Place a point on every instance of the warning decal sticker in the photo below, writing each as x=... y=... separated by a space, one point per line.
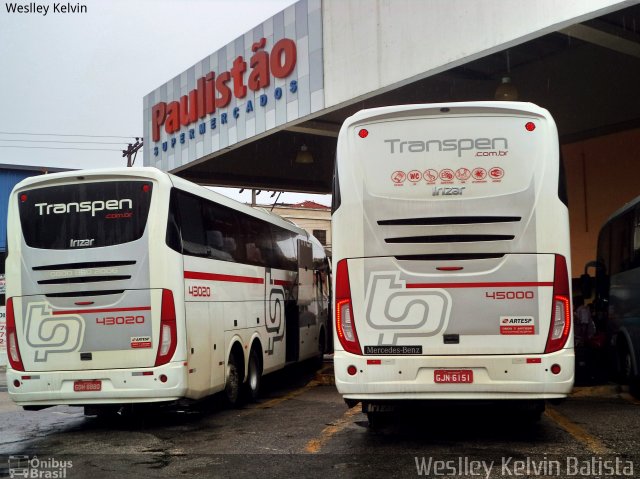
x=138 y=342
x=517 y=325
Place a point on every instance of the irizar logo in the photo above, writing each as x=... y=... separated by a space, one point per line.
x=78 y=243
x=446 y=191
x=83 y=207
x=397 y=145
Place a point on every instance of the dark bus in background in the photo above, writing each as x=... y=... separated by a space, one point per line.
x=617 y=291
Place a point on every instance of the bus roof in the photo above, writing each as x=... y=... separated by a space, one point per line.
x=470 y=107
x=160 y=176
x=623 y=209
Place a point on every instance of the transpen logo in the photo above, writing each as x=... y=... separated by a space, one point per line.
x=397 y=145
x=48 y=333
x=397 y=312
x=83 y=207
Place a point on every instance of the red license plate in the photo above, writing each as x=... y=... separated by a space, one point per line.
x=87 y=386
x=457 y=376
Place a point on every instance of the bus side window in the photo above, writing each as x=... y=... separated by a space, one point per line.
x=221 y=230
x=336 y=198
x=621 y=238
x=635 y=260
x=603 y=264
x=284 y=248
x=191 y=227
x=257 y=240
x=173 y=239
x=562 y=183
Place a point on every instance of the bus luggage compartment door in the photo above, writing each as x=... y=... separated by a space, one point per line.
x=490 y=306
x=118 y=330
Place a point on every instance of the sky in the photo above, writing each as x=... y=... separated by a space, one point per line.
x=71 y=85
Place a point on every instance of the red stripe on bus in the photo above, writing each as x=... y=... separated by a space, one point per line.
x=282 y=282
x=103 y=310
x=478 y=285
x=222 y=277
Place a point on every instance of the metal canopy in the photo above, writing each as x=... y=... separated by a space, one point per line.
x=586 y=75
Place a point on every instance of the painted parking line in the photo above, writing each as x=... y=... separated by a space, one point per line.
x=317 y=381
x=629 y=398
x=279 y=400
x=314 y=445
x=591 y=442
x=604 y=390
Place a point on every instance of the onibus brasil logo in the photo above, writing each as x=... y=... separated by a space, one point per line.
x=34 y=467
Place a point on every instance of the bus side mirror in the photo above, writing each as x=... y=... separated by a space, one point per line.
x=586 y=286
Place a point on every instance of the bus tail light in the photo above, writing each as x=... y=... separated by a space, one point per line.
x=345 y=326
x=561 y=309
x=13 y=350
x=168 y=333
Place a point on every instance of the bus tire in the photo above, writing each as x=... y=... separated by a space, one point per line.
x=378 y=420
x=533 y=411
x=322 y=346
x=232 y=386
x=103 y=412
x=254 y=377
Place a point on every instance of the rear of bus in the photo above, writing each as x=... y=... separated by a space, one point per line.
x=451 y=255
x=91 y=309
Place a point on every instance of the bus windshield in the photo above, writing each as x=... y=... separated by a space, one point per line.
x=85 y=215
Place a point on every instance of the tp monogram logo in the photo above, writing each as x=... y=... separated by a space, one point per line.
x=408 y=313
x=274 y=315
x=49 y=333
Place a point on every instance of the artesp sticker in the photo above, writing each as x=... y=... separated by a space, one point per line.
x=517 y=325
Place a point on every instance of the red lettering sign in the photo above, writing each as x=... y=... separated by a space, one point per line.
x=214 y=90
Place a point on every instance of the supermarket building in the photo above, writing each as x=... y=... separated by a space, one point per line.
x=264 y=111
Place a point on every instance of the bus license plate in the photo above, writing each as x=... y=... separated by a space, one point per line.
x=459 y=376
x=87 y=386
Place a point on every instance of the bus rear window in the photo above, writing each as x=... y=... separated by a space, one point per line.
x=85 y=215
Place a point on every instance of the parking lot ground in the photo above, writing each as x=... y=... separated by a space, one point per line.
x=302 y=428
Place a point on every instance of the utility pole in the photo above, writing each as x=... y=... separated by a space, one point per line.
x=131 y=150
x=254 y=194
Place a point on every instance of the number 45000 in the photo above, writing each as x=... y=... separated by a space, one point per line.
x=509 y=295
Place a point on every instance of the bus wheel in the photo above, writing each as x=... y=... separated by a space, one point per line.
x=532 y=411
x=232 y=388
x=378 y=420
x=254 y=377
x=103 y=412
x=319 y=361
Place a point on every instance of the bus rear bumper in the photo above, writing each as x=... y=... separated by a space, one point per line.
x=512 y=377
x=117 y=386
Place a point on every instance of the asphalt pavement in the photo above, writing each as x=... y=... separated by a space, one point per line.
x=3 y=379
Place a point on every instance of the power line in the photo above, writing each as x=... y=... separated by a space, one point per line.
x=59 y=148
x=64 y=134
x=72 y=142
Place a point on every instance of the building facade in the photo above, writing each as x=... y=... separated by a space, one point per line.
x=242 y=116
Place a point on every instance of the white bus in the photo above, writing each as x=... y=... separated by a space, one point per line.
x=135 y=286
x=451 y=256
